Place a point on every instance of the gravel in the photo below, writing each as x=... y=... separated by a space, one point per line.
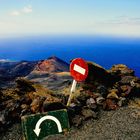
x=13 y=133
x=121 y=124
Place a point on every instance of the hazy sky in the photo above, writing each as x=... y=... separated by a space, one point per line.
x=117 y=17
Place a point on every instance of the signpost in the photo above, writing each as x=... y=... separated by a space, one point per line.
x=79 y=71
x=39 y=126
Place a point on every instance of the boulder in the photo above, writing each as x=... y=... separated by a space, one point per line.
x=122 y=101
x=99 y=75
x=102 y=90
x=113 y=94
x=36 y=105
x=24 y=85
x=82 y=98
x=91 y=104
x=110 y=104
x=100 y=100
x=93 y=95
x=77 y=120
x=53 y=106
x=52 y=103
x=129 y=80
x=3 y=120
x=125 y=90
x=88 y=113
x=121 y=70
x=55 y=137
x=135 y=91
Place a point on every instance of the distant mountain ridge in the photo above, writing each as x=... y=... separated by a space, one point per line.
x=52 y=64
x=10 y=70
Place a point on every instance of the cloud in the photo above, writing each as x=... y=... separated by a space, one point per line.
x=125 y=20
x=121 y=25
x=26 y=10
x=15 y=13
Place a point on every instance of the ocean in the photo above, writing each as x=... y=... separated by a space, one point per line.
x=104 y=50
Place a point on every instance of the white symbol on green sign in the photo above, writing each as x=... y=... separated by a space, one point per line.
x=37 y=127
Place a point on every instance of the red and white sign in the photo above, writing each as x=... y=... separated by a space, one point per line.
x=79 y=69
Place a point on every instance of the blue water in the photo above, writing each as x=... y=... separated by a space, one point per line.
x=105 y=51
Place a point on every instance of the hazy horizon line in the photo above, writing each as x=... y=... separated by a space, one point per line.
x=11 y=36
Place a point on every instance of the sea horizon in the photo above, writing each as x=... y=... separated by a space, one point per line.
x=104 y=50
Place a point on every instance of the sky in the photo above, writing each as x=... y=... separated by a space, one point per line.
x=102 y=17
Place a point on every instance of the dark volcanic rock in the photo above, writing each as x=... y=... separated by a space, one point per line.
x=82 y=98
x=36 y=104
x=125 y=90
x=77 y=120
x=110 y=104
x=91 y=103
x=100 y=100
x=88 y=113
x=122 y=101
x=98 y=74
x=9 y=115
x=53 y=106
x=121 y=70
x=25 y=85
x=135 y=92
x=113 y=94
x=102 y=90
x=129 y=80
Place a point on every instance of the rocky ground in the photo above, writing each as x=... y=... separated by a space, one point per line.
x=121 y=124
x=105 y=106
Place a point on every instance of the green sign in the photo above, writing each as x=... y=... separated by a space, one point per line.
x=38 y=126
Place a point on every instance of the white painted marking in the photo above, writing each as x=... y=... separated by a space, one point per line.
x=79 y=69
x=37 y=127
